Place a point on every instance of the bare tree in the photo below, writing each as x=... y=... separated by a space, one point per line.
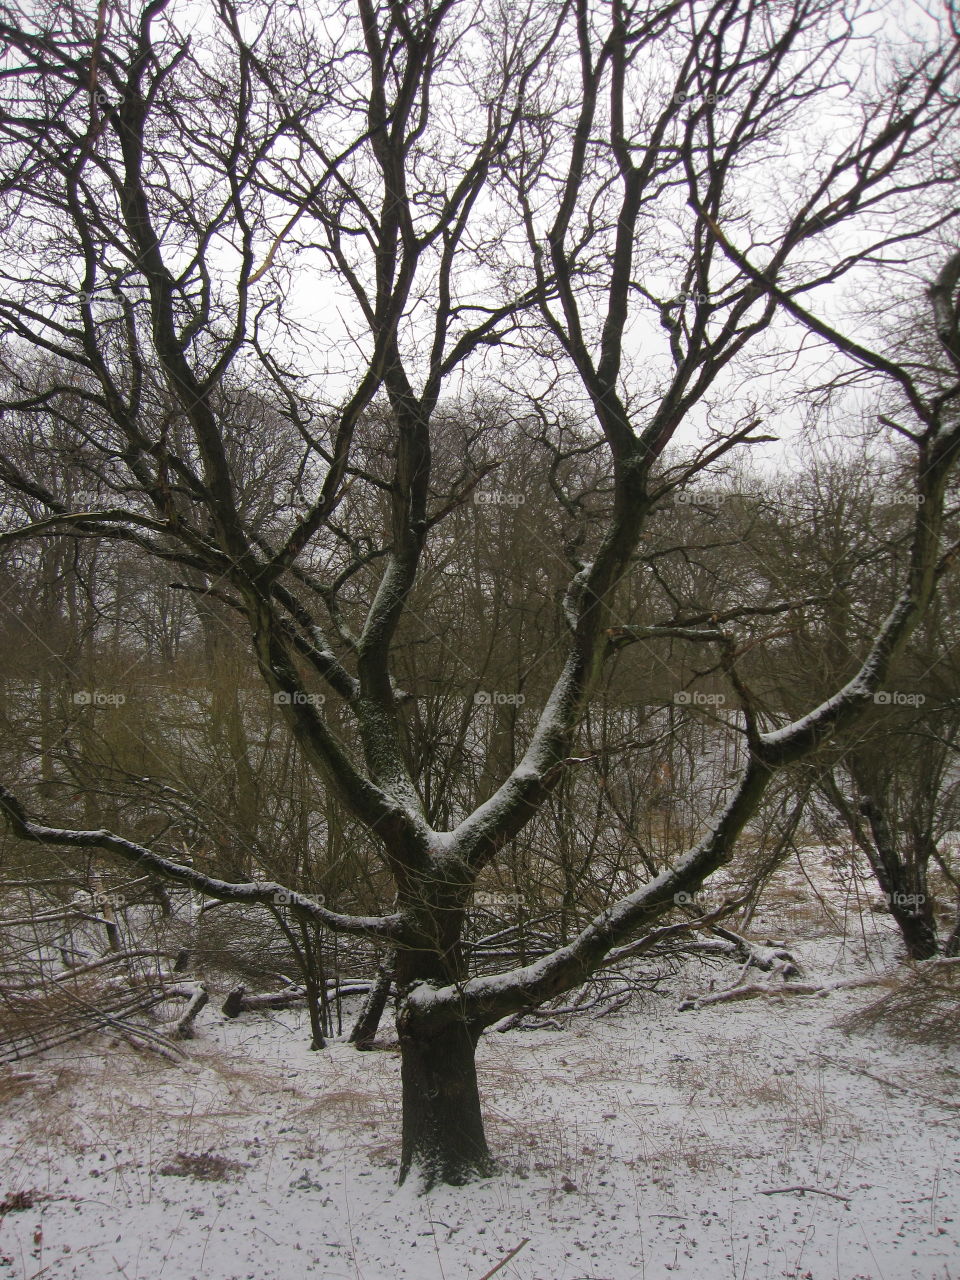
x=835 y=530
x=892 y=781
x=348 y=215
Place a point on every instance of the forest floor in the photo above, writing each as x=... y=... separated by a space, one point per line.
x=647 y=1144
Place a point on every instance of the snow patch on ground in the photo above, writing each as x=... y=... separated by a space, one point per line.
x=634 y=1147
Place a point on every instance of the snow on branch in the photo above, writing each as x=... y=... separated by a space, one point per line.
x=483 y=1000
x=254 y=892
x=779 y=746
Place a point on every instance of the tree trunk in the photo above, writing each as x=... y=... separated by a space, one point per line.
x=952 y=947
x=918 y=930
x=365 y=1028
x=905 y=884
x=443 y=1137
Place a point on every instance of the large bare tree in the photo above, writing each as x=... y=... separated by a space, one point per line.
x=628 y=211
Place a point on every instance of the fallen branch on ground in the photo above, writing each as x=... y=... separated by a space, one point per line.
x=238 y=1001
x=767 y=956
x=182 y=1028
x=749 y=991
x=503 y=1261
x=818 y=1191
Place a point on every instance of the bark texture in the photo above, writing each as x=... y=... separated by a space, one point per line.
x=443 y=1140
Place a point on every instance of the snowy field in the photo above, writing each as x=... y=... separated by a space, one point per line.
x=646 y=1144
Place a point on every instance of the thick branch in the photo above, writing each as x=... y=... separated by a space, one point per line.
x=255 y=892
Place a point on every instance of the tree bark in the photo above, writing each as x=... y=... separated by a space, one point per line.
x=918 y=930
x=443 y=1140
x=905 y=885
x=365 y=1028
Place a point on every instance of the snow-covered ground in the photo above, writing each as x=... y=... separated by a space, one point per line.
x=647 y=1144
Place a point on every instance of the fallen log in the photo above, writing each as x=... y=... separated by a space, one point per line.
x=182 y=1028
x=239 y=1001
x=756 y=955
x=751 y=990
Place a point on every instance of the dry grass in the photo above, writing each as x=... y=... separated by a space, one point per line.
x=244 y=1082
x=921 y=1004
x=731 y=1086
x=347 y=1104
x=19 y=1201
x=34 y=1015
x=52 y=1014
x=13 y=1084
x=204 y=1167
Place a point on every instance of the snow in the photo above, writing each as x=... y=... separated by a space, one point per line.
x=861 y=686
x=529 y=770
x=634 y=1147
x=855 y=689
x=251 y=891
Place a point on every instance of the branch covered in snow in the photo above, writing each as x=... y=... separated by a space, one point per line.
x=254 y=892
x=486 y=999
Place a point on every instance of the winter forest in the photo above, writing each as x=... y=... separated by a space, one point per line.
x=480 y=621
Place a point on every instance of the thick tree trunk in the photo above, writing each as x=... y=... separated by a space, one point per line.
x=918 y=930
x=443 y=1137
x=905 y=884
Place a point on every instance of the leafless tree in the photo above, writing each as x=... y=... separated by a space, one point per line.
x=354 y=214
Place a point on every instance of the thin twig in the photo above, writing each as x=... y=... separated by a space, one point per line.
x=503 y=1262
x=819 y=1191
x=890 y=1084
